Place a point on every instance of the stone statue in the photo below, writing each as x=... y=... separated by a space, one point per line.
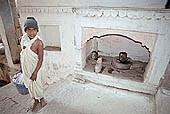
x=98 y=66
x=122 y=61
x=94 y=55
x=123 y=57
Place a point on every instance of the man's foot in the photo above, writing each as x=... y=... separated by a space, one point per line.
x=42 y=102
x=33 y=106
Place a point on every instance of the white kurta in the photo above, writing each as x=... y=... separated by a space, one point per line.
x=29 y=60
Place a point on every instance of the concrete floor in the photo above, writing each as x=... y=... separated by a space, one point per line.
x=72 y=96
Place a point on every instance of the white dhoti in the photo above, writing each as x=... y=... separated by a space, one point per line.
x=29 y=60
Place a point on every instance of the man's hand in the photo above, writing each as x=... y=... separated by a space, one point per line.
x=34 y=76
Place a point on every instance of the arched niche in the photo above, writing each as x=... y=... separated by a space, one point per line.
x=109 y=46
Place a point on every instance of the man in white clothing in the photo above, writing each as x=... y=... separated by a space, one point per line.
x=31 y=61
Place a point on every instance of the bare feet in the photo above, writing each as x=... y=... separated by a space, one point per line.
x=42 y=102
x=34 y=105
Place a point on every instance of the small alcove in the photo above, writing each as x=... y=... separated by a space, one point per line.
x=50 y=35
x=108 y=48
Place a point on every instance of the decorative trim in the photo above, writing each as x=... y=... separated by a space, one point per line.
x=135 y=14
x=45 y=10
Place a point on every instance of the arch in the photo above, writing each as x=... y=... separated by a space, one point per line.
x=144 y=49
x=123 y=36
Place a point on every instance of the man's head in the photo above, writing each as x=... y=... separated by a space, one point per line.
x=31 y=27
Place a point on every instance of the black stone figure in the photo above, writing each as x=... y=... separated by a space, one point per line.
x=167 y=6
x=123 y=57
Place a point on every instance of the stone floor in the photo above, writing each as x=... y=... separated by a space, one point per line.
x=135 y=74
x=75 y=96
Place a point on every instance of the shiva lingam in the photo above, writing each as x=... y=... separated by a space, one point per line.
x=122 y=61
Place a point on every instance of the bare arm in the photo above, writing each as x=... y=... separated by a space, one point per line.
x=40 y=59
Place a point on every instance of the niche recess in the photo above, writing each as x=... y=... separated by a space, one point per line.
x=108 y=47
x=51 y=37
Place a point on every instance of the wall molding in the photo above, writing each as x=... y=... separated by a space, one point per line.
x=45 y=9
x=134 y=14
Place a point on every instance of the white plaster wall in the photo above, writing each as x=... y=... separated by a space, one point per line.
x=88 y=48
x=162 y=101
x=112 y=45
x=57 y=64
x=96 y=3
x=72 y=23
x=98 y=22
x=50 y=34
x=163 y=94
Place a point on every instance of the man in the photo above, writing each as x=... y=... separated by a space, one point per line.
x=31 y=61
